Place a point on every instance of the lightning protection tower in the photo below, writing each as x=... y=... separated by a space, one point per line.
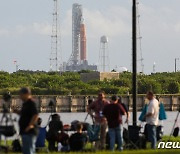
x=139 y=40
x=104 y=55
x=55 y=39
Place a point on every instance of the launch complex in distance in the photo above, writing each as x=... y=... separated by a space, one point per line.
x=78 y=59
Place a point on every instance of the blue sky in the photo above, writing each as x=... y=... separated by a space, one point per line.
x=25 y=30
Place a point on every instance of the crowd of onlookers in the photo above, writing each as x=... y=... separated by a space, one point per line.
x=106 y=114
x=58 y=139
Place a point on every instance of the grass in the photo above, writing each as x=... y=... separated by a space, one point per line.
x=147 y=151
x=177 y=151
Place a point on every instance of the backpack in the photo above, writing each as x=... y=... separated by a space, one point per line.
x=176 y=132
x=16 y=146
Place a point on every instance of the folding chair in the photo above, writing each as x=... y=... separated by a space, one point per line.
x=41 y=139
x=93 y=133
x=132 y=137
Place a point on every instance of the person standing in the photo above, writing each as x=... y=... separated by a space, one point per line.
x=98 y=107
x=125 y=108
x=28 y=122
x=55 y=126
x=152 y=119
x=113 y=112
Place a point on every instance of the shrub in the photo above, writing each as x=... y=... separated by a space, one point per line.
x=173 y=87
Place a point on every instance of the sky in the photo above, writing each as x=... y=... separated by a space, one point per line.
x=25 y=30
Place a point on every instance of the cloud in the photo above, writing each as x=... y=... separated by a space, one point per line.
x=42 y=28
x=161 y=20
x=177 y=27
x=110 y=23
x=66 y=24
x=21 y=30
x=3 y=32
x=113 y=22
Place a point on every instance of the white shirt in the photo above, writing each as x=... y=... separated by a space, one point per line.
x=153 y=108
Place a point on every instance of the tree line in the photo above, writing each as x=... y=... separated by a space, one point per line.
x=53 y=83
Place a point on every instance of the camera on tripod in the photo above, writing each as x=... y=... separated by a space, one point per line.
x=6 y=124
x=7 y=100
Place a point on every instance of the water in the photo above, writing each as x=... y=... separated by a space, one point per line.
x=67 y=118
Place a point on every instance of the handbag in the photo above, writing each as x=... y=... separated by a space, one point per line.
x=143 y=113
x=16 y=146
x=176 y=132
x=162 y=112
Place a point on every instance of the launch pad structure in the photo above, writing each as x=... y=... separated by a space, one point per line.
x=78 y=59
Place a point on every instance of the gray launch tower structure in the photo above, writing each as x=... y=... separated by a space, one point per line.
x=78 y=60
x=76 y=24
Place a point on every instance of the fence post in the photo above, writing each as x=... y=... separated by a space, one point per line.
x=70 y=103
x=85 y=103
x=171 y=103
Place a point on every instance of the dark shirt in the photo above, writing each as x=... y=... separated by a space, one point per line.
x=77 y=141
x=113 y=113
x=63 y=138
x=125 y=107
x=98 y=107
x=54 y=127
x=28 y=110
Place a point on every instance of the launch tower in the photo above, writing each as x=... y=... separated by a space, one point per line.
x=78 y=59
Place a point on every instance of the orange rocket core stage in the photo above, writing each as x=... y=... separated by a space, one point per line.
x=83 y=43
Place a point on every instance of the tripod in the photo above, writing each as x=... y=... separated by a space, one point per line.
x=51 y=106
x=174 y=124
x=90 y=101
x=5 y=119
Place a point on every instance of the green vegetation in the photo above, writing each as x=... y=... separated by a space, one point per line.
x=52 y=83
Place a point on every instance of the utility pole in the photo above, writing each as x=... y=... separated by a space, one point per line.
x=134 y=58
x=176 y=64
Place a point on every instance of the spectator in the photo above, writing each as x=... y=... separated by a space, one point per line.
x=113 y=112
x=125 y=108
x=63 y=142
x=28 y=122
x=40 y=142
x=78 y=140
x=55 y=126
x=98 y=107
x=152 y=119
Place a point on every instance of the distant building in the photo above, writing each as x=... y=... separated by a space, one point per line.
x=85 y=77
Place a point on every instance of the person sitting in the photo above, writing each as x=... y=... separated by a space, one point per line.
x=55 y=126
x=40 y=142
x=63 y=142
x=78 y=140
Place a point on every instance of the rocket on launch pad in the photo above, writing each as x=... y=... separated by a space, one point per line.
x=83 y=54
